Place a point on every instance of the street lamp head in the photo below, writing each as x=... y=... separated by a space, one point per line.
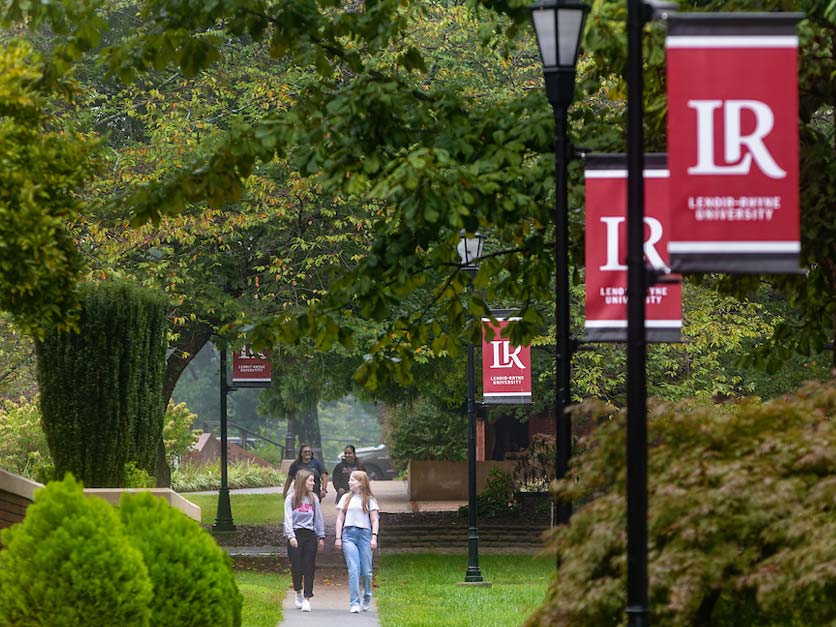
x=658 y=9
x=558 y=25
x=470 y=249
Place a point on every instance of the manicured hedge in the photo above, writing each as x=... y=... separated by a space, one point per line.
x=70 y=564
x=192 y=576
x=75 y=561
x=101 y=387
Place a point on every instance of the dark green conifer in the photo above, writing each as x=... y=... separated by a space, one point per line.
x=101 y=387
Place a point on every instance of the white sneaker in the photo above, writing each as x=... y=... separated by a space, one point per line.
x=299 y=600
x=306 y=606
x=355 y=609
x=366 y=604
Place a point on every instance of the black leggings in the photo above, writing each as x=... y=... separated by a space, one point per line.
x=303 y=560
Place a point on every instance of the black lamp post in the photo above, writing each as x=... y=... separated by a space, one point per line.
x=639 y=12
x=559 y=26
x=637 y=593
x=223 y=520
x=470 y=250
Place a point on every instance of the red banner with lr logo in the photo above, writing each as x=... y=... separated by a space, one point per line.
x=606 y=251
x=251 y=369
x=733 y=142
x=506 y=369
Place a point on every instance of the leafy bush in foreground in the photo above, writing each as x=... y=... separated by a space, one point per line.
x=69 y=564
x=192 y=576
x=742 y=517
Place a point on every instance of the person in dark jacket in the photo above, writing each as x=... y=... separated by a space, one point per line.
x=306 y=461
x=343 y=470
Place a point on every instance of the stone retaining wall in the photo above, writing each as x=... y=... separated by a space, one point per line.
x=112 y=496
x=16 y=493
x=447 y=481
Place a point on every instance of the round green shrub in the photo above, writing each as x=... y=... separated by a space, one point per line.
x=192 y=577
x=69 y=564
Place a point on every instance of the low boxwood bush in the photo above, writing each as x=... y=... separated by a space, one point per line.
x=192 y=576
x=69 y=564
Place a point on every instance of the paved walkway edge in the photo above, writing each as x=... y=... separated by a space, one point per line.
x=329 y=606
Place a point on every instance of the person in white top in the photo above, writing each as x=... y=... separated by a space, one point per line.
x=358 y=523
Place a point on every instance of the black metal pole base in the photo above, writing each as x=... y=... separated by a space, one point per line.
x=223 y=519
x=475 y=584
x=474 y=574
x=473 y=577
x=637 y=616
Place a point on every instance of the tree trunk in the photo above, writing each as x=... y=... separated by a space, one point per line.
x=290 y=439
x=307 y=425
x=833 y=337
x=830 y=262
x=192 y=339
x=703 y=616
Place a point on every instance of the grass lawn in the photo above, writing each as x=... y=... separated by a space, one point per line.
x=420 y=590
x=247 y=509
x=263 y=595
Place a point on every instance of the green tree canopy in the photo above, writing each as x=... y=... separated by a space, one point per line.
x=44 y=167
x=387 y=121
x=430 y=117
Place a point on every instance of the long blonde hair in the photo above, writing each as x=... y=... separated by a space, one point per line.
x=365 y=490
x=299 y=489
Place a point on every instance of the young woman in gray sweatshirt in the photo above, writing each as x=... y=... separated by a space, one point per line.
x=305 y=533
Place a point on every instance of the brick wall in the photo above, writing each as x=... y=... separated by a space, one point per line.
x=12 y=508
x=447 y=481
x=16 y=494
x=541 y=424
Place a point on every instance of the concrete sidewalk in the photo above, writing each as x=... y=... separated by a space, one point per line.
x=329 y=606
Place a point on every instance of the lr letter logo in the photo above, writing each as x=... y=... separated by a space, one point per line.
x=613 y=264
x=735 y=141
x=246 y=353
x=504 y=357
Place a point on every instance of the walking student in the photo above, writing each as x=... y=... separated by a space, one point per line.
x=305 y=533
x=358 y=523
x=343 y=470
x=306 y=461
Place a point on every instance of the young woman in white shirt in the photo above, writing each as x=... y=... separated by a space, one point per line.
x=358 y=523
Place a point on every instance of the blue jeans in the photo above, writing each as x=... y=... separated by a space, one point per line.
x=358 y=558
